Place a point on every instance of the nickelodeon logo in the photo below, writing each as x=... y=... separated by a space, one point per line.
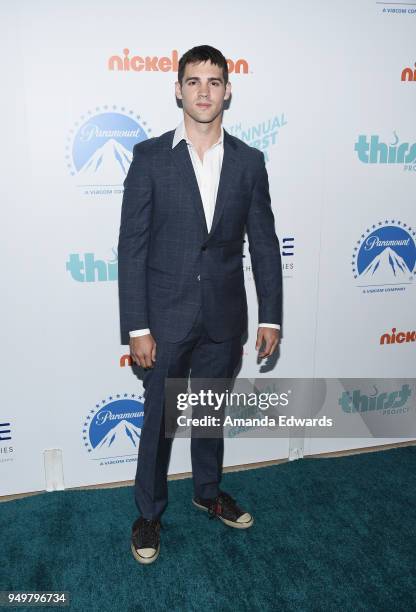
x=408 y=74
x=398 y=337
x=126 y=360
x=137 y=63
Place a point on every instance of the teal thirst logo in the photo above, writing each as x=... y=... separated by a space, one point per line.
x=86 y=268
x=371 y=150
x=389 y=403
x=99 y=148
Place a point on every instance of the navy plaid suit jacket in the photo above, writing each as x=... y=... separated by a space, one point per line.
x=170 y=266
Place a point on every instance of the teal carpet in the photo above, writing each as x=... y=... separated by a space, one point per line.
x=329 y=535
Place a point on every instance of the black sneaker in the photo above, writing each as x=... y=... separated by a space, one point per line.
x=145 y=540
x=225 y=508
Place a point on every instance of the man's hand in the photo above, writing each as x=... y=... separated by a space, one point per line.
x=270 y=337
x=143 y=350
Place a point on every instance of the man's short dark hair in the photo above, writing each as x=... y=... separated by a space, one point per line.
x=203 y=53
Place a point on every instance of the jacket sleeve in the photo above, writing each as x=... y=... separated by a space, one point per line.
x=133 y=244
x=264 y=248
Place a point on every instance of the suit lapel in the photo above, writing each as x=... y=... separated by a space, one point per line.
x=227 y=178
x=183 y=162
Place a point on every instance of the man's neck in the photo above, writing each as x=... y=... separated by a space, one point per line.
x=203 y=135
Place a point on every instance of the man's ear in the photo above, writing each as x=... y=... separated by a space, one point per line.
x=227 y=91
x=178 y=90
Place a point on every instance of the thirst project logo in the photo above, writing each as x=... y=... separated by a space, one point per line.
x=372 y=150
x=99 y=149
x=111 y=430
x=86 y=268
x=384 y=257
x=392 y=402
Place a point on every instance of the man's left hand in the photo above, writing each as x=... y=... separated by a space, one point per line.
x=270 y=337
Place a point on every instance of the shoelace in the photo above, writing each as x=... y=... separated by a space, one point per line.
x=217 y=505
x=149 y=529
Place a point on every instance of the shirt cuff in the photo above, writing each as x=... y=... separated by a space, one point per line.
x=139 y=332
x=143 y=332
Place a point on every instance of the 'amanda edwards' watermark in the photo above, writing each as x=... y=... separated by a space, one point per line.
x=272 y=407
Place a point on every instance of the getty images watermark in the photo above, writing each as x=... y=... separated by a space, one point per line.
x=271 y=407
x=220 y=402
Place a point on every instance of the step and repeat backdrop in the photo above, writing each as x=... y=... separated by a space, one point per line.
x=325 y=89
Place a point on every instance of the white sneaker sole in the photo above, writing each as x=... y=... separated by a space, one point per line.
x=226 y=521
x=145 y=560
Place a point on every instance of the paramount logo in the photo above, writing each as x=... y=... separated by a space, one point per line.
x=387 y=266
x=108 y=163
x=90 y=130
x=374 y=241
x=122 y=437
x=108 y=415
x=385 y=256
x=112 y=430
x=99 y=149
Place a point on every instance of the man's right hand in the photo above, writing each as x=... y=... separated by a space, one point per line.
x=143 y=350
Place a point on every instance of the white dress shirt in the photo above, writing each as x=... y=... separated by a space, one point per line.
x=207 y=174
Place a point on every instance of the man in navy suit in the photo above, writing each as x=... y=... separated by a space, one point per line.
x=189 y=196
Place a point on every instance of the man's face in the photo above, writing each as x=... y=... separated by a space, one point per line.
x=202 y=91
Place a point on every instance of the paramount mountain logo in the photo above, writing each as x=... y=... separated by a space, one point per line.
x=111 y=431
x=115 y=440
x=99 y=149
x=384 y=257
x=370 y=150
x=387 y=264
x=108 y=163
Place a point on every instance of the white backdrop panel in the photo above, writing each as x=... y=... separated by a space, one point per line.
x=318 y=76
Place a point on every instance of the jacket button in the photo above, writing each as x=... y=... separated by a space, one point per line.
x=203 y=248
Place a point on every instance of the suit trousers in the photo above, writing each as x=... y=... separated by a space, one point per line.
x=200 y=357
